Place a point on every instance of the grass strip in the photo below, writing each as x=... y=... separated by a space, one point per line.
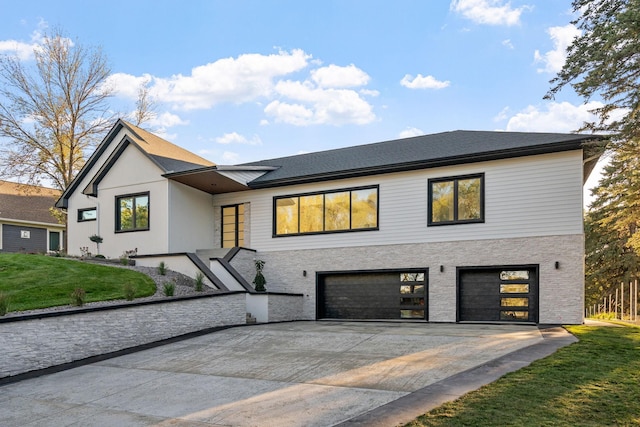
x=594 y=382
x=36 y=281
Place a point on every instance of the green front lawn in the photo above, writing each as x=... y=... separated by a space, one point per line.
x=594 y=382
x=37 y=281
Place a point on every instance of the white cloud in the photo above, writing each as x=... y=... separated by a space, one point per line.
x=323 y=98
x=422 y=82
x=560 y=117
x=409 y=132
x=311 y=105
x=236 y=138
x=241 y=79
x=126 y=85
x=230 y=157
x=502 y=115
x=554 y=60
x=335 y=76
x=25 y=51
x=490 y=12
x=507 y=43
x=368 y=92
x=21 y=50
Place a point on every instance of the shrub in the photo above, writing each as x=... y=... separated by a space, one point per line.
x=129 y=291
x=169 y=289
x=4 y=304
x=77 y=297
x=259 y=281
x=199 y=283
x=162 y=268
x=124 y=260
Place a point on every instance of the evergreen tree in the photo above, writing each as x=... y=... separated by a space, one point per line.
x=605 y=61
x=611 y=226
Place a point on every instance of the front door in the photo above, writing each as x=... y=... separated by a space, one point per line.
x=232 y=226
x=54 y=241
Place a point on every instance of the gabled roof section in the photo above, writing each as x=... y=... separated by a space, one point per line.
x=426 y=151
x=166 y=155
x=27 y=203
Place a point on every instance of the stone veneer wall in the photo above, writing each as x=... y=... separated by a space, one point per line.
x=561 y=291
x=35 y=342
x=243 y=263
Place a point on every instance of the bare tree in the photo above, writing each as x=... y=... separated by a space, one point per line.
x=145 y=105
x=52 y=112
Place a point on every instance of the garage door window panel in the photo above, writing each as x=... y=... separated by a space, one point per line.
x=514 y=315
x=514 y=288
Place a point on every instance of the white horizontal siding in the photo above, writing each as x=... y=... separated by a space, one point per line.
x=528 y=196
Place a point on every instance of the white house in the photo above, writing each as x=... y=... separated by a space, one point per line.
x=456 y=226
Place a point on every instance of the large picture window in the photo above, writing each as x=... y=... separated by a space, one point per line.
x=456 y=200
x=132 y=212
x=354 y=209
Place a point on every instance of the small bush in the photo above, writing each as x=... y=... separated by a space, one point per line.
x=259 y=281
x=199 y=283
x=77 y=297
x=162 y=268
x=124 y=260
x=129 y=291
x=99 y=256
x=4 y=304
x=169 y=289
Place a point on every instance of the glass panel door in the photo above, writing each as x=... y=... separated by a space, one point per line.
x=232 y=226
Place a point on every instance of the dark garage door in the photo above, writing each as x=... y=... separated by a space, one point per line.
x=498 y=294
x=373 y=295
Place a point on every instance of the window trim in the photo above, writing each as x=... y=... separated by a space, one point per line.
x=315 y=193
x=117 y=215
x=455 y=180
x=81 y=211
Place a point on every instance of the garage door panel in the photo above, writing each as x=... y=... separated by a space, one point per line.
x=370 y=296
x=492 y=295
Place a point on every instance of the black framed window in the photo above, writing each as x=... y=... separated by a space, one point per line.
x=352 y=209
x=456 y=200
x=132 y=212
x=88 y=214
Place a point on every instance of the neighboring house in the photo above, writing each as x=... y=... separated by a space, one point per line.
x=26 y=222
x=455 y=226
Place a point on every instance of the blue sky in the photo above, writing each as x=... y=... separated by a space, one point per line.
x=237 y=81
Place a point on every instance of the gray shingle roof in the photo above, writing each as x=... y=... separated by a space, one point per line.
x=414 y=153
x=23 y=202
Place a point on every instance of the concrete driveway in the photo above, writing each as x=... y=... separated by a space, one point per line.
x=284 y=374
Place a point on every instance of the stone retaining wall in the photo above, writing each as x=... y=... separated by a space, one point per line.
x=33 y=342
